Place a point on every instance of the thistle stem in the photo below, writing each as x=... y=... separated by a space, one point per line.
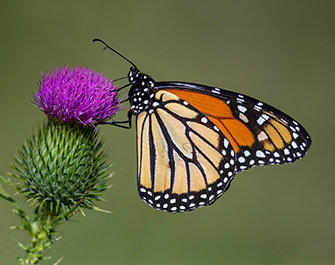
x=42 y=233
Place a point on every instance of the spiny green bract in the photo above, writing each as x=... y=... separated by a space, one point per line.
x=62 y=167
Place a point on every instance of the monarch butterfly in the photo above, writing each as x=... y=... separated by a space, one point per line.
x=192 y=139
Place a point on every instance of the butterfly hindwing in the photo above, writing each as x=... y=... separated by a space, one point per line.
x=259 y=133
x=184 y=161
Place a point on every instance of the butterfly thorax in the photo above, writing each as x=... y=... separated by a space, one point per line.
x=141 y=92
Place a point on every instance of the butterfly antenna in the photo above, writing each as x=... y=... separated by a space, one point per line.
x=119 y=89
x=121 y=78
x=109 y=47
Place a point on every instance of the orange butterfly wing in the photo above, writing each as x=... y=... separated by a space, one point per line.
x=259 y=133
x=194 y=138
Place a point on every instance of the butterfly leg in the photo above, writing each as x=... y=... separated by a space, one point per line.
x=119 y=89
x=120 y=123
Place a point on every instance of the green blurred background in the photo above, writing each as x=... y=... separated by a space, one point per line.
x=281 y=52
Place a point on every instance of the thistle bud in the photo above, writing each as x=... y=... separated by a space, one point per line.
x=60 y=167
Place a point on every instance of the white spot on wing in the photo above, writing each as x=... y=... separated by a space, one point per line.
x=257 y=108
x=247 y=153
x=265 y=117
x=204 y=120
x=243 y=118
x=241 y=159
x=242 y=108
x=262 y=136
x=294 y=145
x=260 y=120
x=225 y=143
x=260 y=154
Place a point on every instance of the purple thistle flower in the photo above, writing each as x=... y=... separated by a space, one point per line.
x=78 y=95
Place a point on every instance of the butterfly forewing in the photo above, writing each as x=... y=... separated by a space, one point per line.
x=184 y=160
x=259 y=134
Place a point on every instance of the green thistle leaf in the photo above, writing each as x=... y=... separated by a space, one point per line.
x=3 y=193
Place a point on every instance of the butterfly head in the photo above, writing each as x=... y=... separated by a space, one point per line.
x=141 y=92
